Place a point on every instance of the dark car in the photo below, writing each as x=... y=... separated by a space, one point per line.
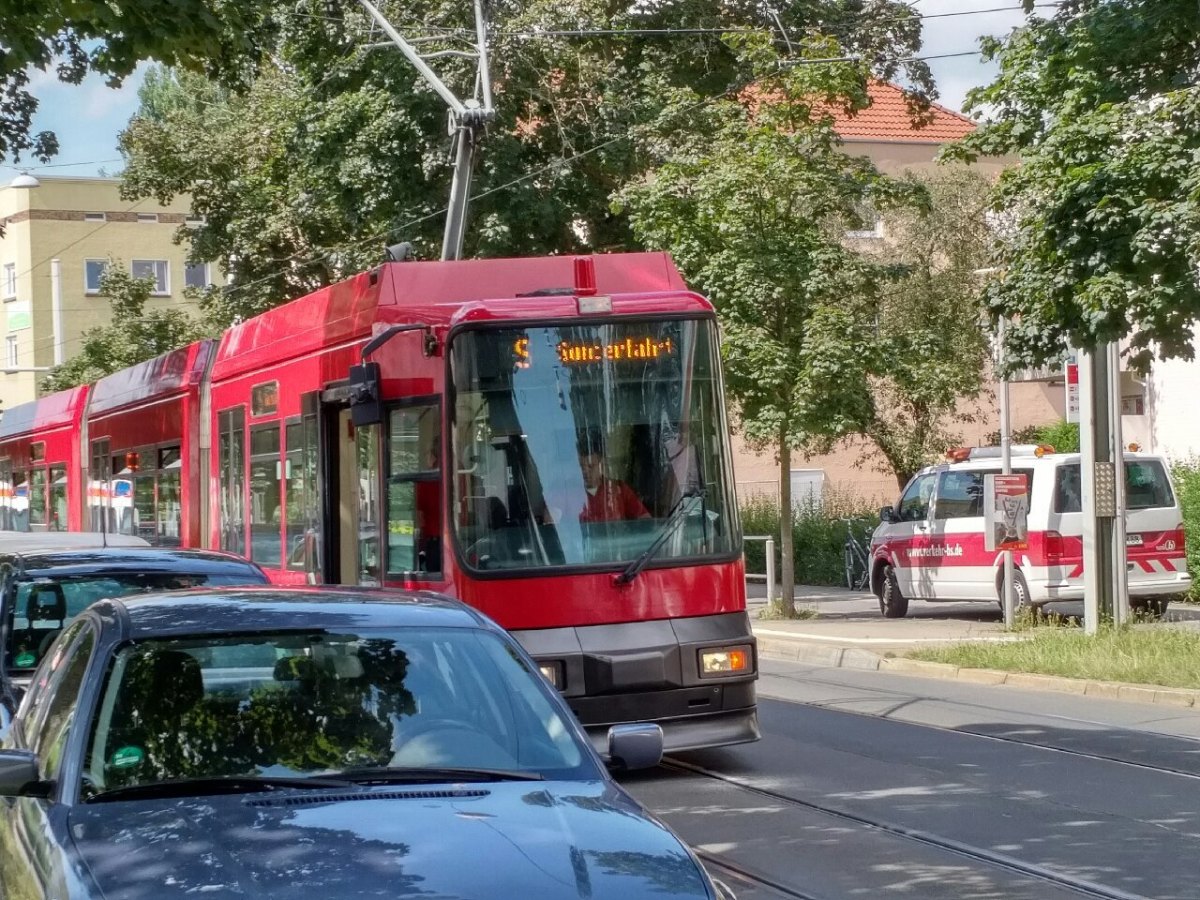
x=314 y=743
x=46 y=580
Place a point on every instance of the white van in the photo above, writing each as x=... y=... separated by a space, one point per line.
x=930 y=545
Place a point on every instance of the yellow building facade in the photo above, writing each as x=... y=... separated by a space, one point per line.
x=58 y=238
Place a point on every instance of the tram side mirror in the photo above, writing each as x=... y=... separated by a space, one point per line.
x=887 y=514
x=366 y=408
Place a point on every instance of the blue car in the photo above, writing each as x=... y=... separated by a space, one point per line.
x=316 y=743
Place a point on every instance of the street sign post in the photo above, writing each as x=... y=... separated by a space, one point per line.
x=1072 y=380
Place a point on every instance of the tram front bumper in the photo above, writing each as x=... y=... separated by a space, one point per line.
x=651 y=672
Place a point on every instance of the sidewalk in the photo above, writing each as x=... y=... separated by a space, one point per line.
x=849 y=632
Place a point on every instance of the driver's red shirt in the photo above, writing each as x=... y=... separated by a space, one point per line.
x=612 y=502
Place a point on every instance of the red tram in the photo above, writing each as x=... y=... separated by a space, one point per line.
x=543 y=438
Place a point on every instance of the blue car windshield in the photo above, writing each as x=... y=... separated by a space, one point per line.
x=307 y=704
x=39 y=609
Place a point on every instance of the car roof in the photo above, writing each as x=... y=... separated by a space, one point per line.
x=1029 y=461
x=20 y=541
x=156 y=560
x=206 y=611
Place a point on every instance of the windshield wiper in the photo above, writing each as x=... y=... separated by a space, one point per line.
x=401 y=774
x=228 y=784
x=674 y=517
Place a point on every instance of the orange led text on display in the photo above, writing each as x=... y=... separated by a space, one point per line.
x=575 y=353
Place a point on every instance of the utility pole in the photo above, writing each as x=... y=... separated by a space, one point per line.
x=1105 y=586
x=468 y=119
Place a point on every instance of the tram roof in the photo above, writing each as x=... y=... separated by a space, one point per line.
x=52 y=411
x=445 y=293
x=166 y=374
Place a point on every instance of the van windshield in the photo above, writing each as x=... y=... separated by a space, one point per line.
x=39 y=609
x=1147 y=486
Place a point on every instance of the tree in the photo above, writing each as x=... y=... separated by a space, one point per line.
x=221 y=37
x=1100 y=103
x=135 y=334
x=932 y=344
x=337 y=150
x=753 y=204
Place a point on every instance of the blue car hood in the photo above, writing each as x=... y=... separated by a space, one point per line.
x=509 y=839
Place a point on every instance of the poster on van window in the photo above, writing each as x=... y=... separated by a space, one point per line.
x=1006 y=512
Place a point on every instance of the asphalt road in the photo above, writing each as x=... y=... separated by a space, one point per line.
x=872 y=785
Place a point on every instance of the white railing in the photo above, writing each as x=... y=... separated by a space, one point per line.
x=770 y=559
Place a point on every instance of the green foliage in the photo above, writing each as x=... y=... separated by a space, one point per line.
x=135 y=334
x=337 y=150
x=1161 y=656
x=819 y=534
x=1062 y=435
x=1103 y=213
x=932 y=348
x=223 y=38
x=1186 y=476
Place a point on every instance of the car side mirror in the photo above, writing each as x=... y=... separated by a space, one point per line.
x=18 y=771
x=887 y=514
x=636 y=746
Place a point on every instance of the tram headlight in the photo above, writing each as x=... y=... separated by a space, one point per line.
x=553 y=672
x=726 y=661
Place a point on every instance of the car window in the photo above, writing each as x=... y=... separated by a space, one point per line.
x=42 y=607
x=32 y=705
x=322 y=702
x=1147 y=486
x=914 y=505
x=50 y=737
x=960 y=493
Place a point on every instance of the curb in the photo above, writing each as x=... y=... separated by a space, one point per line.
x=854 y=658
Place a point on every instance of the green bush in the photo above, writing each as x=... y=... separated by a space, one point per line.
x=1186 y=476
x=819 y=533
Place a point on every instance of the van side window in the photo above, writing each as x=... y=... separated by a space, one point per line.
x=960 y=494
x=914 y=505
x=1146 y=487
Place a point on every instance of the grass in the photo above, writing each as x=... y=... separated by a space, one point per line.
x=772 y=612
x=1160 y=656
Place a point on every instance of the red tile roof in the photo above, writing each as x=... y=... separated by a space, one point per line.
x=889 y=119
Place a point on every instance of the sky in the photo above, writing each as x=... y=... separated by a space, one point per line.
x=88 y=117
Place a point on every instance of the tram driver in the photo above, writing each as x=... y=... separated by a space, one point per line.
x=607 y=499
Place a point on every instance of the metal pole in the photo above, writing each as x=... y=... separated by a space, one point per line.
x=415 y=58
x=1098 y=481
x=770 y=570
x=56 y=309
x=460 y=192
x=1120 y=576
x=1006 y=468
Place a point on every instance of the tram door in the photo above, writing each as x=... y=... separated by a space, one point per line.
x=351 y=501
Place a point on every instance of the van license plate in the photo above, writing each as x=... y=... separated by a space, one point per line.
x=1133 y=540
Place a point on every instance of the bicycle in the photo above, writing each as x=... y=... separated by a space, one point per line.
x=856 y=558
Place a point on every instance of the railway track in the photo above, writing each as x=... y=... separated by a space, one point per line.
x=734 y=872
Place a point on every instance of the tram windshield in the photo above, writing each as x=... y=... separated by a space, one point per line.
x=590 y=444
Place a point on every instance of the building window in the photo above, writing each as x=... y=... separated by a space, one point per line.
x=193 y=219
x=195 y=275
x=866 y=223
x=95 y=217
x=10 y=350
x=147 y=217
x=10 y=279
x=93 y=273
x=157 y=269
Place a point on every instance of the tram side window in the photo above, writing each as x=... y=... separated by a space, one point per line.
x=38 y=518
x=265 y=508
x=6 y=495
x=19 y=516
x=169 y=510
x=98 y=487
x=231 y=456
x=414 y=492
x=58 y=499
x=301 y=505
x=124 y=499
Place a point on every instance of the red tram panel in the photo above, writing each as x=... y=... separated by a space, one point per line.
x=543 y=438
x=40 y=487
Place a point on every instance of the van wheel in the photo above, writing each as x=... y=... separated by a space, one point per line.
x=1020 y=592
x=1150 y=607
x=892 y=603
